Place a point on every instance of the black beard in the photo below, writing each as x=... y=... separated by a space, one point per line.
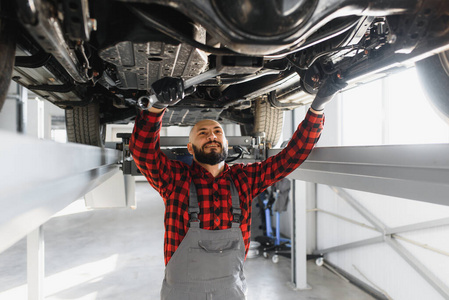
x=212 y=158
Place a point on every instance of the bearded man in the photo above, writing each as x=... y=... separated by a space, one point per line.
x=208 y=204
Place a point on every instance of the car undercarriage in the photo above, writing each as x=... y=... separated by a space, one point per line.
x=96 y=58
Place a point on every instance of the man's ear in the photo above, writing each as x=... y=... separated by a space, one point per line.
x=190 y=148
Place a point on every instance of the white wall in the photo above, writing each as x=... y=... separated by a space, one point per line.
x=388 y=111
x=36 y=110
x=8 y=112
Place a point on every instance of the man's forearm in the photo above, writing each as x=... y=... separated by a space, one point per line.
x=156 y=110
x=318 y=112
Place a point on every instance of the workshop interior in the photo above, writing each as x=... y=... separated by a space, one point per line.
x=366 y=216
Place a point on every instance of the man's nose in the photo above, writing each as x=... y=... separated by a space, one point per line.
x=212 y=136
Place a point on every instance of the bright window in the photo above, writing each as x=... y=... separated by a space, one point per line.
x=362 y=115
x=392 y=110
x=411 y=118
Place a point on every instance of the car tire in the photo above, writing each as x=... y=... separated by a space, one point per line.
x=434 y=76
x=269 y=120
x=83 y=125
x=7 y=52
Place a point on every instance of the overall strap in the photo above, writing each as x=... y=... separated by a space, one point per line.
x=236 y=211
x=194 y=208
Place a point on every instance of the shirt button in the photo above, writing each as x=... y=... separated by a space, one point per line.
x=215 y=185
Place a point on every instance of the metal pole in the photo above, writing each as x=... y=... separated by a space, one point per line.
x=361 y=243
x=293 y=226
x=293 y=235
x=311 y=190
x=299 y=232
x=40 y=119
x=35 y=239
x=300 y=263
x=36 y=264
x=22 y=109
x=419 y=226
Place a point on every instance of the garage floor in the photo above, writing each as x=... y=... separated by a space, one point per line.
x=116 y=254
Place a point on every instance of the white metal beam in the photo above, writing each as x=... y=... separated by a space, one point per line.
x=418 y=172
x=40 y=178
x=366 y=242
x=418 y=226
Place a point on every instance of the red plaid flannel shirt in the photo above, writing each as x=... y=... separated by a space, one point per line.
x=172 y=178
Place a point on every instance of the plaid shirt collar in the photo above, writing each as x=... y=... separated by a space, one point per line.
x=203 y=173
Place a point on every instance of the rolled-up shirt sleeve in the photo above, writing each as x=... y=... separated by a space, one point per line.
x=264 y=174
x=144 y=146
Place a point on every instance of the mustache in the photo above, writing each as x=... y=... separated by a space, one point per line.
x=213 y=142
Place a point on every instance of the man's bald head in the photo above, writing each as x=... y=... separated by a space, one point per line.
x=201 y=125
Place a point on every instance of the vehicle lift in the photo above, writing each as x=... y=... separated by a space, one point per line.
x=42 y=177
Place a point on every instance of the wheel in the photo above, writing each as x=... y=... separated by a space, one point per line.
x=275 y=259
x=83 y=125
x=319 y=261
x=266 y=119
x=434 y=76
x=7 y=50
x=266 y=255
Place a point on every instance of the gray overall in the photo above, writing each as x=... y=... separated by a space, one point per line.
x=208 y=264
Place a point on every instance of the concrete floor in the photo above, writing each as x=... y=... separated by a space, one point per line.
x=116 y=254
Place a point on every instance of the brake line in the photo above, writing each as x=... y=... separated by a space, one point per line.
x=321 y=38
